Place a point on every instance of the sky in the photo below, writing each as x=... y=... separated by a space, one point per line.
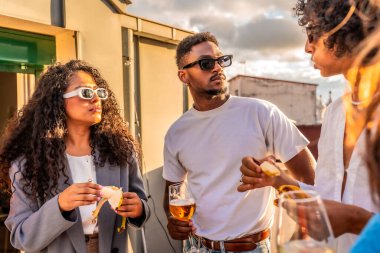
x=263 y=36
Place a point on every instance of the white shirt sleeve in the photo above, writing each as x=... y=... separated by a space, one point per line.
x=306 y=187
x=283 y=139
x=173 y=171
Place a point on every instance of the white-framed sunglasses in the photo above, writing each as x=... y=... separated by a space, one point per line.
x=87 y=93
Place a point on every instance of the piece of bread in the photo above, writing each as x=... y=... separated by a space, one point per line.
x=270 y=169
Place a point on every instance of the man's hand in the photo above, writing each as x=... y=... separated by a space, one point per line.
x=180 y=230
x=253 y=176
x=79 y=194
x=131 y=206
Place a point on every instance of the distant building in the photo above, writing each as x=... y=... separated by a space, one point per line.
x=297 y=100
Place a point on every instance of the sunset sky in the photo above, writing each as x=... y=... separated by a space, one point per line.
x=263 y=36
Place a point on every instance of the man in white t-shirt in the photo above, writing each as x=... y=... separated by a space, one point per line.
x=334 y=29
x=205 y=147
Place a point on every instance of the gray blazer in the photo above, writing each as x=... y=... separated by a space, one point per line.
x=37 y=227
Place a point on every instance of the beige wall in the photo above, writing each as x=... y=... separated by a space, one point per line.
x=161 y=104
x=99 y=39
x=161 y=97
x=33 y=10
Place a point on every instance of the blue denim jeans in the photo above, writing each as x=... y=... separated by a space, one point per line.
x=262 y=247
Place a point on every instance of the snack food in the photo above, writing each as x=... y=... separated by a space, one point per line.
x=114 y=196
x=270 y=169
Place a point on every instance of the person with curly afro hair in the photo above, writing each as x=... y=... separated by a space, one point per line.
x=57 y=153
x=335 y=30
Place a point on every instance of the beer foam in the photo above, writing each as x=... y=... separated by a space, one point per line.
x=182 y=202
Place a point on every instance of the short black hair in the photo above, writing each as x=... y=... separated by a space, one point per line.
x=324 y=15
x=185 y=46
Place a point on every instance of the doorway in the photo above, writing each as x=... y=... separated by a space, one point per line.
x=23 y=56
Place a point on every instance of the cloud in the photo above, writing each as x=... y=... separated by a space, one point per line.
x=263 y=33
x=269 y=34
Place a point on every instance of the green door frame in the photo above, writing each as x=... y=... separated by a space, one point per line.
x=25 y=52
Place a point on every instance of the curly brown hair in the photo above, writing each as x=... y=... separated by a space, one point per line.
x=324 y=15
x=35 y=136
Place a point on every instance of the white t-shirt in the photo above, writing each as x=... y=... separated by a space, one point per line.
x=208 y=147
x=82 y=169
x=330 y=169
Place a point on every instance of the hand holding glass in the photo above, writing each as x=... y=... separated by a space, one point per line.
x=182 y=206
x=303 y=224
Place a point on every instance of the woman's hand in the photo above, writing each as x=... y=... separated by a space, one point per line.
x=79 y=194
x=131 y=206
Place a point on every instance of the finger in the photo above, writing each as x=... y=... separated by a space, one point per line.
x=132 y=214
x=252 y=180
x=92 y=185
x=251 y=164
x=86 y=190
x=247 y=171
x=245 y=187
x=130 y=195
x=133 y=202
x=127 y=208
x=86 y=197
x=182 y=229
x=177 y=235
x=270 y=158
x=180 y=223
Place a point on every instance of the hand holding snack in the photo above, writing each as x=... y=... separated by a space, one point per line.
x=257 y=174
x=269 y=169
x=114 y=196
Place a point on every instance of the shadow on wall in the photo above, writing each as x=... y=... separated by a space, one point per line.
x=157 y=238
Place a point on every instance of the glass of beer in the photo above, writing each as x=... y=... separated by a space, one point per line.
x=303 y=224
x=182 y=206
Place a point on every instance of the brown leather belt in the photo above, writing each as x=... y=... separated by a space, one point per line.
x=87 y=238
x=245 y=243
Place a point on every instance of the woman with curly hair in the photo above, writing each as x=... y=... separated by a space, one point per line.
x=67 y=142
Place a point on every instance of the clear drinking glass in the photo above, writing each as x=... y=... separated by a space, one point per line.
x=303 y=224
x=182 y=207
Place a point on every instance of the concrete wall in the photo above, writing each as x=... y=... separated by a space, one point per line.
x=36 y=10
x=161 y=104
x=99 y=39
x=296 y=100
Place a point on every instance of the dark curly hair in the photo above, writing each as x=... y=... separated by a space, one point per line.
x=324 y=15
x=184 y=47
x=34 y=137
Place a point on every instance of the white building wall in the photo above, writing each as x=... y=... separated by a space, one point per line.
x=296 y=100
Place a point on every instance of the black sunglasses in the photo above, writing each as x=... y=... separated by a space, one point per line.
x=209 y=63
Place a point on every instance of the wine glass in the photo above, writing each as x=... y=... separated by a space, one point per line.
x=303 y=224
x=182 y=207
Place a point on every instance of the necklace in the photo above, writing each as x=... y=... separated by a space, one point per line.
x=356 y=102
